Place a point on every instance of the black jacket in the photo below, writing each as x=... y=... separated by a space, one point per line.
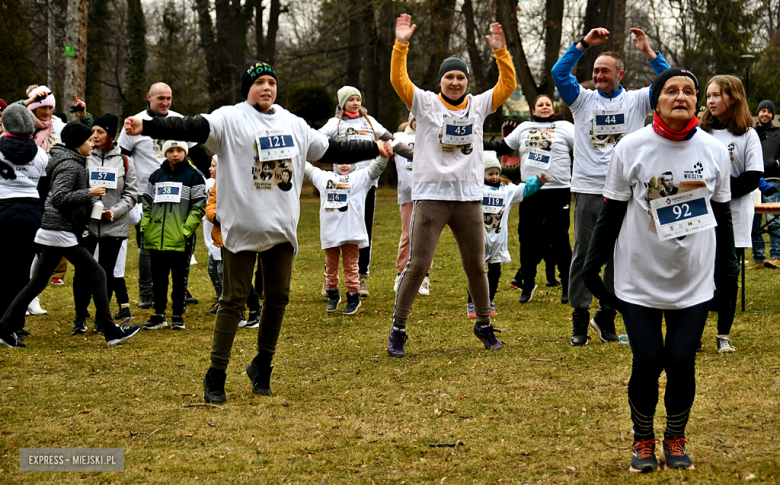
x=770 y=145
x=69 y=203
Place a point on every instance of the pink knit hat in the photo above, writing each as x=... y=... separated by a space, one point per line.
x=48 y=101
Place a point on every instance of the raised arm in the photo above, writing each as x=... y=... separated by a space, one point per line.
x=507 y=80
x=657 y=61
x=564 y=80
x=195 y=129
x=399 y=77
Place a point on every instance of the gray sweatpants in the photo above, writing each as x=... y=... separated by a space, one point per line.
x=586 y=212
x=428 y=220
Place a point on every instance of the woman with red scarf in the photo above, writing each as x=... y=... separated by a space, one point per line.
x=666 y=206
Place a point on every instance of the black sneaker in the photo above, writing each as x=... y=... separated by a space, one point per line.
x=565 y=298
x=214 y=386
x=254 y=319
x=487 y=335
x=528 y=293
x=79 y=326
x=124 y=312
x=353 y=303
x=9 y=339
x=604 y=324
x=259 y=372
x=156 y=321
x=214 y=306
x=146 y=303
x=395 y=344
x=579 y=327
x=552 y=283
x=333 y=299
x=177 y=322
x=116 y=335
x=643 y=456
x=516 y=284
x=22 y=333
x=673 y=455
x=189 y=299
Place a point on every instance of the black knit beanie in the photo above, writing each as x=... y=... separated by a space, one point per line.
x=75 y=134
x=660 y=80
x=109 y=123
x=251 y=71
x=768 y=105
x=453 y=63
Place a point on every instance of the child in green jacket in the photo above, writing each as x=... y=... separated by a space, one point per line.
x=174 y=204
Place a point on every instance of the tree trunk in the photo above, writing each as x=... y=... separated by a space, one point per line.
x=507 y=16
x=479 y=75
x=52 y=47
x=208 y=44
x=610 y=14
x=552 y=43
x=259 y=36
x=273 y=28
x=356 y=39
x=76 y=66
x=442 y=13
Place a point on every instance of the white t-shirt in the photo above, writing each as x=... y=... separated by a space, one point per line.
x=146 y=153
x=404 y=168
x=592 y=153
x=27 y=177
x=257 y=208
x=459 y=174
x=342 y=222
x=496 y=204
x=57 y=239
x=357 y=129
x=214 y=252
x=673 y=273
x=541 y=144
x=746 y=156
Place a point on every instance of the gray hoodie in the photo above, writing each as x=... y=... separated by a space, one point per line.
x=119 y=200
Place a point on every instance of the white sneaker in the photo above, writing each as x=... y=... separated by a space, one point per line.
x=724 y=345
x=425 y=287
x=397 y=281
x=34 y=308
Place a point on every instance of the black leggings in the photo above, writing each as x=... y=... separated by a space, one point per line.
x=109 y=251
x=176 y=264
x=545 y=223
x=652 y=353
x=725 y=301
x=493 y=276
x=365 y=254
x=80 y=257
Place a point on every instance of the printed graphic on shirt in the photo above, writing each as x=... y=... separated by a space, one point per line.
x=267 y=175
x=456 y=134
x=540 y=139
x=337 y=194
x=677 y=210
x=492 y=213
x=158 y=153
x=365 y=133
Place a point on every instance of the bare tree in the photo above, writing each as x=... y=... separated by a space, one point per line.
x=610 y=14
x=76 y=38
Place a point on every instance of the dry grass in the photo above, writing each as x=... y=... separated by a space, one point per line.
x=539 y=411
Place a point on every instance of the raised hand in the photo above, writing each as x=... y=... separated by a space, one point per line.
x=81 y=104
x=597 y=36
x=498 y=39
x=404 y=28
x=134 y=126
x=640 y=41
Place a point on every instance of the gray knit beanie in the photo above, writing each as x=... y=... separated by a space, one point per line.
x=17 y=120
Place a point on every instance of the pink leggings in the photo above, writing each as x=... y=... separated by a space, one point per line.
x=351 y=255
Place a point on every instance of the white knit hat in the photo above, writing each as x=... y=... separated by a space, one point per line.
x=347 y=92
x=491 y=160
x=175 y=144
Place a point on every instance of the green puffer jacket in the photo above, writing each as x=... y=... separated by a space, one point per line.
x=167 y=226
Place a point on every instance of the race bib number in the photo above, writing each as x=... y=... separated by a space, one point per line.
x=457 y=132
x=609 y=121
x=409 y=165
x=538 y=159
x=682 y=214
x=167 y=192
x=103 y=177
x=492 y=205
x=336 y=196
x=275 y=145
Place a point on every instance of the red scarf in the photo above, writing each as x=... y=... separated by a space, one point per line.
x=351 y=116
x=660 y=127
x=11 y=135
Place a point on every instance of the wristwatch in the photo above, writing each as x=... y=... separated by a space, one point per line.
x=584 y=44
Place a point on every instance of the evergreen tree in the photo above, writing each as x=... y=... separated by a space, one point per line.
x=133 y=93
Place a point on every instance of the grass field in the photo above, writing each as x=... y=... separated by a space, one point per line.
x=540 y=411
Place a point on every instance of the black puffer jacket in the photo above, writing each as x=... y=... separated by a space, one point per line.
x=770 y=145
x=69 y=204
